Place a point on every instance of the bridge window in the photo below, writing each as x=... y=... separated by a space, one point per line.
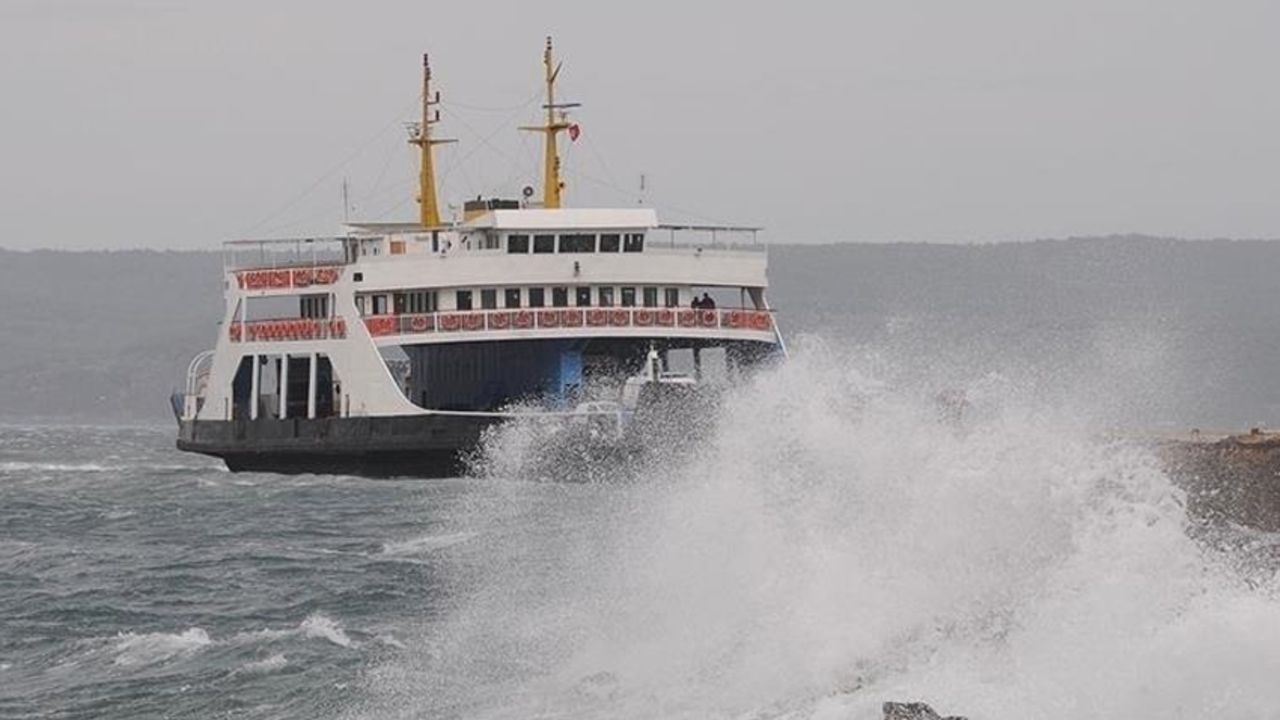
x=379 y=304
x=671 y=297
x=610 y=243
x=511 y=298
x=560 y=296
x=651 y=297
x=634 y=243
x=517 y=244
x=577 y=243
x=606 y=297
x=544 y=243
x=628 y=297
x=537 y=297
x=583 y=298
x=489 y=299
x=463 y=300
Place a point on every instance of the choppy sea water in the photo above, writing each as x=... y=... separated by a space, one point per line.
x=833 y=544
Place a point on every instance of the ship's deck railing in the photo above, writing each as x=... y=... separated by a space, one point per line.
x=709 y=237
x=285 y=254
x=469 y=321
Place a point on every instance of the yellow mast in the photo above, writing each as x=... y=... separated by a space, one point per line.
x=429 y=215
x=552 y=185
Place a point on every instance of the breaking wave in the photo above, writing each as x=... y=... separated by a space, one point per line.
x=837 y=543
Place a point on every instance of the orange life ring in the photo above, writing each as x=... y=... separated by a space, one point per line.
x=666 y=317
x=324 y=276
x=707 y=318
x=644 y=317
x=548 y=318
x=302 y=277
x=473 y=321
x=450 y=322
x=524 y=319
x=419 y=323
x=571 y=318
x=499 y=320
x=619 y=318
x=760 y=321
x=234 y=331
x=597 y=317
x=687 y=318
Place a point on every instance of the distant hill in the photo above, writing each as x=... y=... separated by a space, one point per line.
x=1150 y=330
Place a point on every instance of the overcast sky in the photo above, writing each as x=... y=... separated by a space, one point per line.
x=178 y=124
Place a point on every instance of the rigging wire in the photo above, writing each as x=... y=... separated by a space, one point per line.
x=328 y=173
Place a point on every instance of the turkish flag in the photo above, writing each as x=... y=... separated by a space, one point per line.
x=574 y=131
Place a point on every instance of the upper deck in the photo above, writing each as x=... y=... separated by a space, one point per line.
x=520 y=247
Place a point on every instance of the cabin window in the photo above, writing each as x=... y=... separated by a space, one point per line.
x=671 y=297
x=511 y=298
x=628 y=297
x=421 y=301
x=517 y=244
x=537 y=297
x=577 y=243
x=379 y=304
x=583 y=298
x=606 y=297
x=634 y=243
x=489 y=299
x=464 y=300
x=544 y=243
x=360 y=305
x=314 y=306
x=490 y=241
x=400 y=303
x=610 y=243
x=651 y=297
x=560 y=297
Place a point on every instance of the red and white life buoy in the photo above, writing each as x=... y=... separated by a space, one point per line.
x=761 y=321
x=644 y=317
x=571 y=318
x=524 y=319
x=597 y=317
x=548 y=318
x=619 y=318
x=707 y=318
x=499 y=320
x=666 y=318
x=420 y=323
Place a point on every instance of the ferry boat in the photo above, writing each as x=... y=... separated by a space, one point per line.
x=388 y=350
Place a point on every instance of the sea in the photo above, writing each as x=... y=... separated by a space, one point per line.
x=834 y=541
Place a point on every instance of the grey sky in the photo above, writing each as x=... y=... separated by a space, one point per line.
x=129 y=123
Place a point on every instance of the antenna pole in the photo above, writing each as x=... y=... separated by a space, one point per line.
x=552 y=185
x=429 y=210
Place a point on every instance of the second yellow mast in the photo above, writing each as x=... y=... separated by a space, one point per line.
x=552 y=185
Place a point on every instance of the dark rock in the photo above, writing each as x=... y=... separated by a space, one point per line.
x=913 y=711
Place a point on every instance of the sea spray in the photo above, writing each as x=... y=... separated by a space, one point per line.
x=835 y=543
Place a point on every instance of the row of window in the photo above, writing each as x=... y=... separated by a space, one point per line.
x=427 y=301
x=582 y=296
x=314 y=306
x=519 y=244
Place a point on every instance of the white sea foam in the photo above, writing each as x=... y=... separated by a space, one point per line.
x=265 y=665
x=835 y=545
x=143 y=649
x=424 y=545
x=321 y=626
x=20 y=466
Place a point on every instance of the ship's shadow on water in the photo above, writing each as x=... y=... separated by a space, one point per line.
x=833 y=542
